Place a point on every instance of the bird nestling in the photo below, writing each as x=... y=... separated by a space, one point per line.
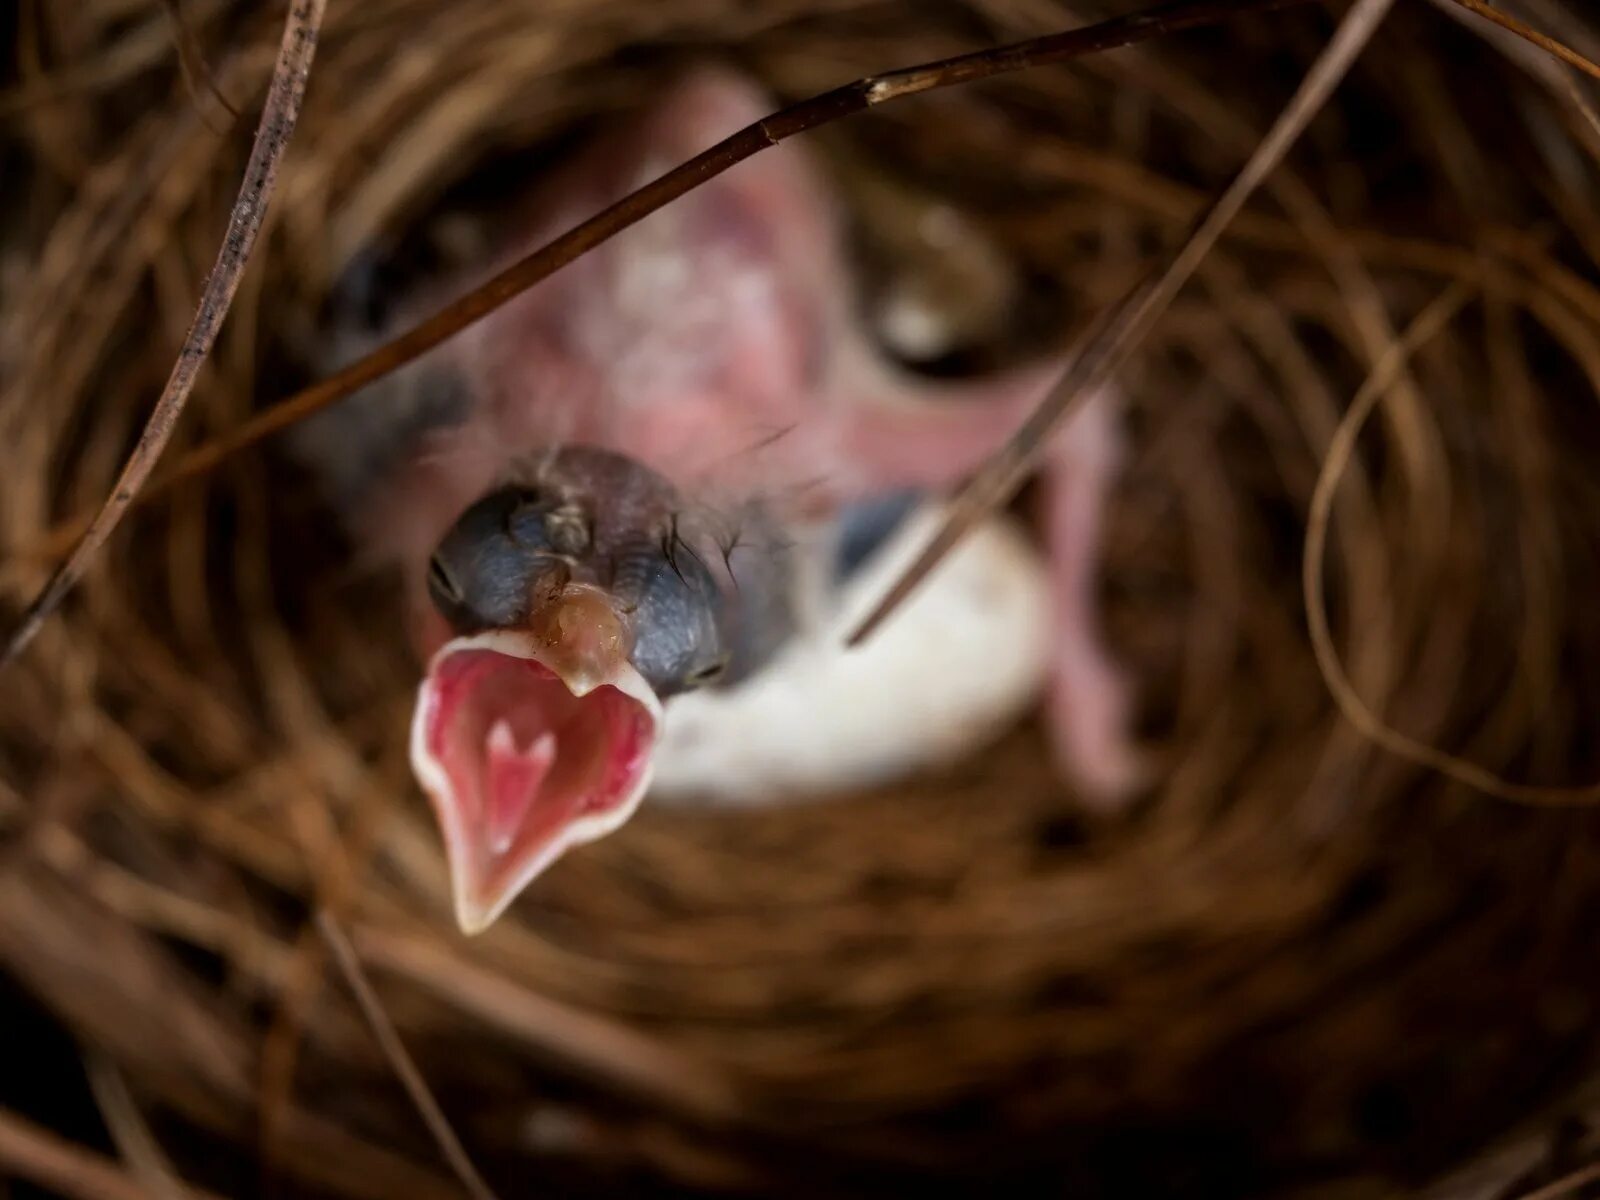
x=675 y=466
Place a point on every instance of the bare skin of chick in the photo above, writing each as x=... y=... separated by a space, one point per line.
x=590 y=494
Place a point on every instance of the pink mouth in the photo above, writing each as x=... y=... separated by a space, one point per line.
x=520 y=768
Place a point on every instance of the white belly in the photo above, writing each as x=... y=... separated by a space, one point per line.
x=964 y=657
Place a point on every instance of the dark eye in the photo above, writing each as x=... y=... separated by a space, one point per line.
x=708 y=674
x=441 y=583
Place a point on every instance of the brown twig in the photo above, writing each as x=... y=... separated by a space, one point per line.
x=278 y=117
x=602 y=1048
x=763 y=135
x=192 y=61
x=1432 y=321
x=1585 y=109
x=1566 y=1185
x=28 y=1152
x=400 y=1059
x=1529 y=34
x=1119 y=333
x=130 y=1132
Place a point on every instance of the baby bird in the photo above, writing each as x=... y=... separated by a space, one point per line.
x=679 y=465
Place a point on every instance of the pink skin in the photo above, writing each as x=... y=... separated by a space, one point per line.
x=715 y=342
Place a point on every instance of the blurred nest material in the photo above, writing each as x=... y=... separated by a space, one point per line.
x=1301 y=964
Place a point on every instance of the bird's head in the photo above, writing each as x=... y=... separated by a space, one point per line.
x=576 y=608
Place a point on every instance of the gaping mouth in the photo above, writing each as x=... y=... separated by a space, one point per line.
x=519 y=766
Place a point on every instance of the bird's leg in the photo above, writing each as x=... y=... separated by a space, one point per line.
x=932 y=440
x=1090 y=698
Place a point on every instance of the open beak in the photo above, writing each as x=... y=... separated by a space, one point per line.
x=529 y=741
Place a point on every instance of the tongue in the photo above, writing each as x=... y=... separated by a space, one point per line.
x=513 y=777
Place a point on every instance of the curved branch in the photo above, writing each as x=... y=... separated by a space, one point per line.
x=278 y=118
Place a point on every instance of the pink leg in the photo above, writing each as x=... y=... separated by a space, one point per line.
x=908 y=439
x=1090 y=696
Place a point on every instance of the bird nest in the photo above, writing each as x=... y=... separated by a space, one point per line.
x=1298 y=962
